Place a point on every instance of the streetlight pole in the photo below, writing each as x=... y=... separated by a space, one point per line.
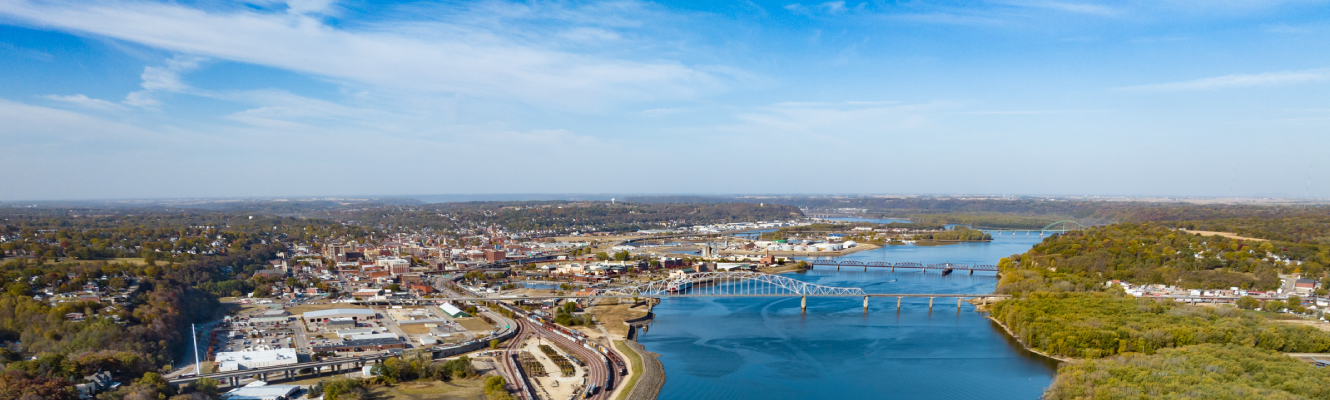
x=197 y=367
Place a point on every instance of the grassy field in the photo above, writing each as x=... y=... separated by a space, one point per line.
x=613 y=316
x=474 y=324
x=460 y=389
x=636 y=369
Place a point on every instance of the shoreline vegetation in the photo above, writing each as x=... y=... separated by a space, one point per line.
x=1113 y=345
x=1026 y=346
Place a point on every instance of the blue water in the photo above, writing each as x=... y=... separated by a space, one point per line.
x=755 y=348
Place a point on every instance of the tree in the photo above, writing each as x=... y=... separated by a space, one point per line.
x=1247 y=303
x=495 y=384
x=601 y=256
x=494 y=343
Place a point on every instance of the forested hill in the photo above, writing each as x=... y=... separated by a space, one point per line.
x=1148 y=253
x=1035 y=213
x=185 y=261
x=1063 y=307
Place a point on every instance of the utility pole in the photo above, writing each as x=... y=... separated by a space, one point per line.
x=197 y=367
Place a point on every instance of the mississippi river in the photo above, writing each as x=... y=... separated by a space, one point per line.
x=732 y=348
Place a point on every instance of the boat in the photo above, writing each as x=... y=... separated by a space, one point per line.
x=947 y=271
x=677 y=287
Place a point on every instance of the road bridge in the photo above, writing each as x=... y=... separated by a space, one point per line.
x=713 y=284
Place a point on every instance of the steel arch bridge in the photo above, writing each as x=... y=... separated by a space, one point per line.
x=736 y=283
x=1065 y=226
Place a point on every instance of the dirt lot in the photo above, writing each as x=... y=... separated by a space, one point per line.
x=460 y=389
x=414 y=329
x=611 y=315
x=1223 y=234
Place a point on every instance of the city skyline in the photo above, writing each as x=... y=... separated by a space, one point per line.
x=140 y=99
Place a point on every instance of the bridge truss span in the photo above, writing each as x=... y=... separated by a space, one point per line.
x=733 y=283
x=907 y=265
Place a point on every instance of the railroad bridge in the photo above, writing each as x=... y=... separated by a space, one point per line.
x=906 y=265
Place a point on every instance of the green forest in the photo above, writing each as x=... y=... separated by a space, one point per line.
x=956 y=234
x=1207 y=371
x=1094 y=325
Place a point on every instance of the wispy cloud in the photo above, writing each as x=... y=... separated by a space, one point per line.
x=1071 y=7
x=421 y=56
x=1235 y=81
x=84 y=101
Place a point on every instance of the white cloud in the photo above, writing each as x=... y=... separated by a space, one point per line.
x=425 y=56
x=86 y=102
x=162 y=79
x=1235 y=81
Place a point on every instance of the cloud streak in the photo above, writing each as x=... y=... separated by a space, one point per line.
x=1234 y=81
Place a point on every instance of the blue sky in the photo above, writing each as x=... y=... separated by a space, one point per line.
x=143 y=99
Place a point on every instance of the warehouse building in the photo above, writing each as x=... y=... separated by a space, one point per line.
x=241 y=360
x=356 y=314
x=452 y=310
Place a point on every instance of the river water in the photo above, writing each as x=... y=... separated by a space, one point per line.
x=765 y=348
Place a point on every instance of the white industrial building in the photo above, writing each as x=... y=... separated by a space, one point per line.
x=241 y=360
x=452 y=310
x=357 y=314
x=262 y=391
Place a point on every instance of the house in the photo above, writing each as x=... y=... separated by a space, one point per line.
x=96 y=382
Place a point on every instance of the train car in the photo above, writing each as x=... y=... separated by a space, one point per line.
x=591 y=391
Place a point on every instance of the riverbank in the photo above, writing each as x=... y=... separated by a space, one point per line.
x=1027 y=346
x=648 y=374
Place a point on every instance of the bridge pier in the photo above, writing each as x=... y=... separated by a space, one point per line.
x=971 y=271
x=958 y=303
x=898 y=304
x=893 y=267
x=803 y=303
x=930 y=304
x=865 y=303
